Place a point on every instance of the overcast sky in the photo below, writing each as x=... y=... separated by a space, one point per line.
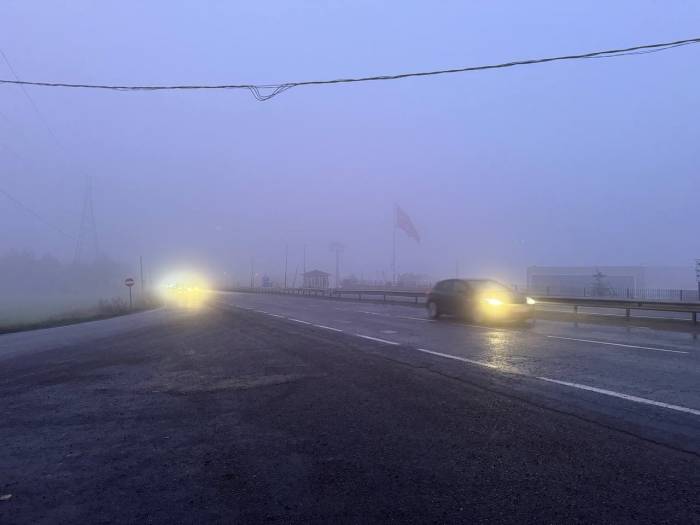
x=579 y=163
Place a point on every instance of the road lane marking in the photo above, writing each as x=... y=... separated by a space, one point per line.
x=327 y=327
x=628 y=397
x=457 y=358
x=395 y=316
x=377 y=339
x=276 y=315
x=616 y=344
x=298 y=321
x=602 y=391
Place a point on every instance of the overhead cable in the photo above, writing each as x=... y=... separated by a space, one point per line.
x=266 y=91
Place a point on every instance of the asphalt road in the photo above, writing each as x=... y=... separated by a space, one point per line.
x=659 y=365
x=287 y=414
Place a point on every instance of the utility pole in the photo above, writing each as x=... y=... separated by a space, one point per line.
x=338 y=249
x=393 y=252
x=457 y=269
x=251 y=272
x=304 y=265
x=286 y=257
x=87 y=236
x=143 y=289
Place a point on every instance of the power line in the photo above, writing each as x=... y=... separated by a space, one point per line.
x=266 y=91
x=87 y=214
x=34 y=214
x=31 y=100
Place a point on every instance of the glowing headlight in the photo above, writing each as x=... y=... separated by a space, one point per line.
x=530 y=300
x=185 y=289
x=493 y=301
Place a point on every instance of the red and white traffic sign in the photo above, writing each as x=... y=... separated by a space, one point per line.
x=129 y=282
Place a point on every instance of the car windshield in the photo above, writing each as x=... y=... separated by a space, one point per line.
x=485 y=286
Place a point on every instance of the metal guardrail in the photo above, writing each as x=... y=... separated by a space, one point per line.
x=404 y=296
x=414 y=297
x=624 y=304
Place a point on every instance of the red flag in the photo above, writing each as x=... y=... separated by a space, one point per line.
x=404 y=222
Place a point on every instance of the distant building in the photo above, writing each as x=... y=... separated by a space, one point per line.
x=413 y=281
x=316 y=279
x=571 y=280
x=564 y=280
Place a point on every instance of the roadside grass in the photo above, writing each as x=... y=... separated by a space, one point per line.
x=105 y=309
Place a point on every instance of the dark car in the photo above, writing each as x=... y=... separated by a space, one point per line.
x=479 y=300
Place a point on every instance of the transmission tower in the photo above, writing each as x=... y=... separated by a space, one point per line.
x=87 y=247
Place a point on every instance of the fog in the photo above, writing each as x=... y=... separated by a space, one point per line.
x=590 y=162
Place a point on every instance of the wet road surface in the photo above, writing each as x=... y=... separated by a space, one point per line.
x=239 y=416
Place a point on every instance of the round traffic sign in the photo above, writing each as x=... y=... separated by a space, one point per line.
x=129 y=282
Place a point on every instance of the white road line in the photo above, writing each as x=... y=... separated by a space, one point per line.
x=616 y=344
x=377 y=339
x=298 y=321
x=276 y=315
x=395 y=316
x=602 y=391
x=262 y=312
x=624 y=396
x=415 y=318
x=327 y=327
x=457 y=358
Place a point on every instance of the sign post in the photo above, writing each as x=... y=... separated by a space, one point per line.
x=129 y=282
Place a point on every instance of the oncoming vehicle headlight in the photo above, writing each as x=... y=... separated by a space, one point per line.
x=184 y=289
x=530 y=300
x=492 y=301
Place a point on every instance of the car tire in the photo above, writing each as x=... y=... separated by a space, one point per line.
x=476 y=316
x=433 y=310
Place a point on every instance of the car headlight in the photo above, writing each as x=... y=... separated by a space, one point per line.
x=493 y=301
x=530 y=300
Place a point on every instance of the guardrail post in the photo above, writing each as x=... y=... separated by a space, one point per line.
x=384 y=297
x=627 y=313
x=576 y=309
x=359 y=297
x=695 y=317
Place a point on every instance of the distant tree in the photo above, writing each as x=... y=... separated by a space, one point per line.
x=350 y=281
x=25 y=273
x=600 y=287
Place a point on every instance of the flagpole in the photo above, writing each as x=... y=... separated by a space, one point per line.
x=393 y=251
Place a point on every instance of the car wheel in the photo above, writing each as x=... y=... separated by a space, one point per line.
x=433 y=311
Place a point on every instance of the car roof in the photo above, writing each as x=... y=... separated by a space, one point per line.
x=480 y=280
